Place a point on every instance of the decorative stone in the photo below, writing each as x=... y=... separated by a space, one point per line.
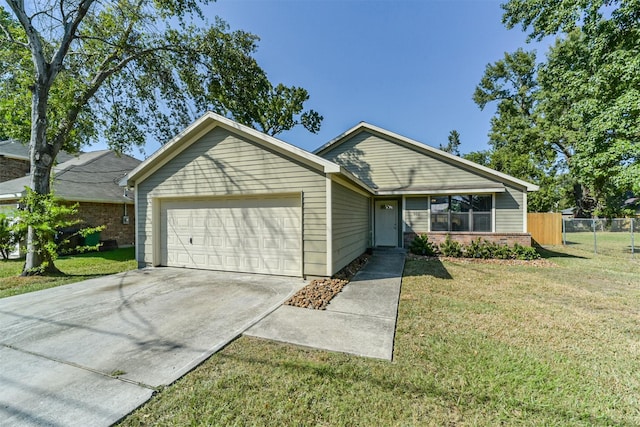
x=319 y=293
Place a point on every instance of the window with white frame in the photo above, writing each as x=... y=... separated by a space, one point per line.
x=461 y=213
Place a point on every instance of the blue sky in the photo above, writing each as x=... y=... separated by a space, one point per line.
x=408 y=66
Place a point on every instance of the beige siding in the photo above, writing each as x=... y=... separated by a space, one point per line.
x=387 y=165
x=417 y=214
x=224 y=164
x=350 y=212
x=509 y=213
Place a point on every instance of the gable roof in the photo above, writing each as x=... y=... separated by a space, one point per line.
x=426 y=149
x=89 y=177
x=210 y=121
x=16 y=150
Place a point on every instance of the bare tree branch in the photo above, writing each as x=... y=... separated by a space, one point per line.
x=35 y=43
x=70 y=30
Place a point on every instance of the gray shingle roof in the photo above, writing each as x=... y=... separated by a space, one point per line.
x=89 y=177
x=16 y=150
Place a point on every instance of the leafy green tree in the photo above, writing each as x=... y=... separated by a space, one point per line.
x=592 y=86
x=125 y=71
x=453 y=146
x=482 y=157
x=46 y=216
x=518 y=147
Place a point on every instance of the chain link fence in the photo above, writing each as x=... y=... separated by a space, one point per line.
x=613 y=236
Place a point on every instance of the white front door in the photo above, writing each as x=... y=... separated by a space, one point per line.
x=386 y=219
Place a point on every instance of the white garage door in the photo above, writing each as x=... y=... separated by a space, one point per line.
x=248 y=235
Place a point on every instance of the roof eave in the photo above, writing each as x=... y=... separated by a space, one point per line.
x=11 y=196
x=444 y=190
x=344 y=172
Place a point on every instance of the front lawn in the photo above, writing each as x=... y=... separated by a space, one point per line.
x=76 y=268
x=476 y=344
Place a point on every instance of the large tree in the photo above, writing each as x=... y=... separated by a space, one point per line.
x=122 y=71
x=517 y=144
x=591 y=82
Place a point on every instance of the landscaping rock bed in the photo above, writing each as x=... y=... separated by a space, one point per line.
x=317 y=294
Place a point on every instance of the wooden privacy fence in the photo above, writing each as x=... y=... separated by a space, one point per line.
x=545 y=228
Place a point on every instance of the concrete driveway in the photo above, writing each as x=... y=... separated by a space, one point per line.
x=91 y=352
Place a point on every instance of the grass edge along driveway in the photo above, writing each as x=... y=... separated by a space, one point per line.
x=476 y=344
x=76 y=268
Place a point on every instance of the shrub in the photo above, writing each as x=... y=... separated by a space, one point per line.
x=478 y=249
x=526 y=253
x=482 y=249
x=501 y=251
x=8 y=238
x=451 y=248
x=422 y=246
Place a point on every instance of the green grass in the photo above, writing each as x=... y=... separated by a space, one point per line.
x=75 y=269
x=476 y=344
x=607 y=242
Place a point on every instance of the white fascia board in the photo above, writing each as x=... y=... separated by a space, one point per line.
x=10 y=196
x=351 y=177
x=15 y=157
x=443 y=191
x=339 y=137
x=491 y=172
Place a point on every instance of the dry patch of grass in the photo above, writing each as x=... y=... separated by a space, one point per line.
x=476 y=344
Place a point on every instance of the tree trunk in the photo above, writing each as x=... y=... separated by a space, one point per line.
x=41 y=156
x=585 y=203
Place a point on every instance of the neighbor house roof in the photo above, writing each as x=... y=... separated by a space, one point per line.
x=211 y=120
x=16 y=150
x=426 y=149
x=89 y=177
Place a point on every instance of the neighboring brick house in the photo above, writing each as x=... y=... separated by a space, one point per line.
x=14 y=160
x=91 y=180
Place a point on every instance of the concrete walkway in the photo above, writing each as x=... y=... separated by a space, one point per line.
x=360 y=320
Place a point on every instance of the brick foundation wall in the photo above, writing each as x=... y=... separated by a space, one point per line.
x=438 y=237
x=13 y=168
x=110 y=215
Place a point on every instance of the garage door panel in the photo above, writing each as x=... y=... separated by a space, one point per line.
x=215 y=261
x=251 y=243
x=215 y=241
x=251 y=263
x=197 y=240
x=291 y=266
x=291 y=223
x=233 y=243
x=291 y=244
x=233 y=261
x=251 y=235
x=271 y=243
